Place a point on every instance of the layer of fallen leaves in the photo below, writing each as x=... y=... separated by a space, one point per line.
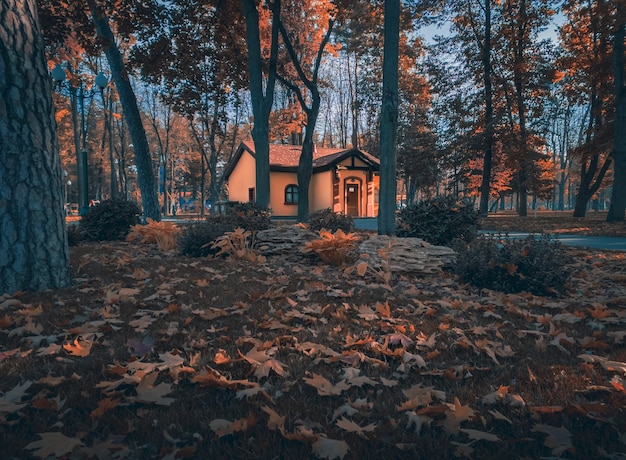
x=594 y=223
x=151 y=355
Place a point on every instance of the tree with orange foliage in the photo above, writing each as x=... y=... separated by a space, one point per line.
x=585 y=63
x=305 y=43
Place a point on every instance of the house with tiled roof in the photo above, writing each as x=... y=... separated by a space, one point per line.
x=344 y=180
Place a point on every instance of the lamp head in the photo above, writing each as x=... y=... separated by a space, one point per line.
x=58 y=73
x=101 y=80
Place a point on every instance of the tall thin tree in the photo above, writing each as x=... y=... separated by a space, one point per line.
x=485 y=188
x=143 y=159
x=618 y=195
x=305 y=164
x=389 y=120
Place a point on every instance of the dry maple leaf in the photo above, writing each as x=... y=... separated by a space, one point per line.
x=276 y=421
x=353 y=427
x=559 y=439
x=223 y=427
x=11 y=400
x=148 y=392
x=80 y=346
x=496 y=396
x=454 y=417
x=418 y=420
x=53 y=443
x=104 y=405
x=325 y=387
x=477 y=435
x=330 y=448
x=212 y=378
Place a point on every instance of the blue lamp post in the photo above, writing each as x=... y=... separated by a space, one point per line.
x=58 y=74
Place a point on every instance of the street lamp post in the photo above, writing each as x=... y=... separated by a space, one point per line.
x=102 y=82
x=65 y=191
x=58 y=74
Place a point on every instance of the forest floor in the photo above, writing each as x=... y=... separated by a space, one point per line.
x=155 y=355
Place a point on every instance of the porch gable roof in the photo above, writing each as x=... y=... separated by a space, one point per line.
x=286 y=157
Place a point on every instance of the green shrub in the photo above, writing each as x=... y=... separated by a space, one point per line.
x=249 y=216
x=537 y=264
x=196 y=239
x=439 y=221
x=330 y=220
x=110 y=220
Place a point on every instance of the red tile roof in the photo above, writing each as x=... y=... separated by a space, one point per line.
x=287 y=156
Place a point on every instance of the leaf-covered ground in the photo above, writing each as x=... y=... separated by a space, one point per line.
x=153 y=355
x=594 y=223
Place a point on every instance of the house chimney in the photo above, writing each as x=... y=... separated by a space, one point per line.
x=296 y=138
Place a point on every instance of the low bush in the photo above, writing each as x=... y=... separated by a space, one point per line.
x=536 y=264
x=196 y=239
x=249 y=216
x=109 y=220
x=330 y=220
x=439 y=221
x=74 y=235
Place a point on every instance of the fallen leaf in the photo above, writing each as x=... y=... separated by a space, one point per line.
x=480 y=435
x=454 y=417
x=276 y=421
x=325 y=387
x=559 y=439
x=148 y=392
x=11 y=401
x=53 y=443
x=330 y=448
x=353 y=427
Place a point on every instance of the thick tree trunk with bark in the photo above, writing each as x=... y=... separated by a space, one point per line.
x=389 y=120
x=618 y=195
x=143 y=159
x=33 y=240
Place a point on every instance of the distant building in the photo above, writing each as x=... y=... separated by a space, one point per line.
x=344 y=180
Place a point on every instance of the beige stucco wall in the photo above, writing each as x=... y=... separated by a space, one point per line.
x=278 y=182
x=321 y=192
x=242 y=178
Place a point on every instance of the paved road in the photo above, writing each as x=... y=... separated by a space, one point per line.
x=596 y=242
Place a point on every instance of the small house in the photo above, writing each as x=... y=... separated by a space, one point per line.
x=344 y=180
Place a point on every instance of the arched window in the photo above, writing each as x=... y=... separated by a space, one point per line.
x=291 y=194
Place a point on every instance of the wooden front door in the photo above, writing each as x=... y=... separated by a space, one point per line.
x=352 y=200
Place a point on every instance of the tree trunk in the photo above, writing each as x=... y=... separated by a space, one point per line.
x=618 y=195
x=261 y=103
x=486 y=179
x=588 y=185
x=389 y=120
x=143 y=160
x=33 y=240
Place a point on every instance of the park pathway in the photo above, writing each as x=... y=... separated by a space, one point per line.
x=595 y=242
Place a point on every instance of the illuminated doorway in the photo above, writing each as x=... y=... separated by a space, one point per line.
x=352 y=200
